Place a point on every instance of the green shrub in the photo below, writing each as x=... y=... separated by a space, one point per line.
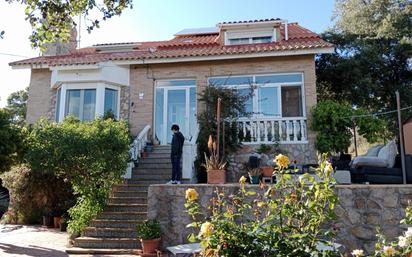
x=11 y=142
x=149 y=229
x=34 y=194
x=91 y=156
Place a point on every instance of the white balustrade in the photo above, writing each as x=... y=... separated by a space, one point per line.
x=272 y=130
x=136 y=149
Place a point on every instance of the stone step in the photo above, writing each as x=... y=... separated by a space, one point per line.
x=114 y=223
x=152 y=171
x=152 y=177
x=154 y=160
x=129 y=194
x=127 y=207
x=163 y=151
x=114 y=199
x=125 y=215
x=101 y=251
x=110 y=232
x=154 y=165
x=93 y=242
x=131 y=187
x=147 y=183
x=156 y=155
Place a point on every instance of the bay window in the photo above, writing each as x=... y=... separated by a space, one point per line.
x=86 y=101
x=110 y=101
x=81 y=103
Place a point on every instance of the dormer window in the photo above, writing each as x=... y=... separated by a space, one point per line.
x=252 y=32
x=250 y=40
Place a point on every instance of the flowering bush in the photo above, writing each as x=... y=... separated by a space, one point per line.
x=400 y=247
x=285 y=220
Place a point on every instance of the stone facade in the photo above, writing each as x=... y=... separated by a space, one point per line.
x=302 y=153
x=361 y=209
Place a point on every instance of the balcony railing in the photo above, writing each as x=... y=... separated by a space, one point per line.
x=271 y=130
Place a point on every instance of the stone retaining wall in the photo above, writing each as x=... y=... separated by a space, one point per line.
x=362 y=208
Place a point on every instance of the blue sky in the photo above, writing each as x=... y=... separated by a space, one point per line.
x=154 y=20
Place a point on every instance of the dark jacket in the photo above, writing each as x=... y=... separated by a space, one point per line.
x=177 y=144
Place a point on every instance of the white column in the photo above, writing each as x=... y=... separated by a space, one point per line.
x=100 y=99
x=62 y=102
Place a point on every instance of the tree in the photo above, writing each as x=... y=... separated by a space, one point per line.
x=375 y=18
x=17 y=106
x=52 y=21
x=333 y=123
x=372 y=57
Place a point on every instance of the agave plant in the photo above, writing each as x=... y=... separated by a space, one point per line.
x=213 y=162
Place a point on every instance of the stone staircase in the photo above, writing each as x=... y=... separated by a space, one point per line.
x=114 y=230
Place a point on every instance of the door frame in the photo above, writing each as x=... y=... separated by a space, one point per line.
x=165 y=109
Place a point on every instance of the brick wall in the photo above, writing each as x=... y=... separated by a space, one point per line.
x=41 y=96
x=142 y=79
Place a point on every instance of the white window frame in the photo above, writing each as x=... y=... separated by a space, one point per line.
x=165 y=101
x=250 y=34
x=100 y=93
x=256 y=112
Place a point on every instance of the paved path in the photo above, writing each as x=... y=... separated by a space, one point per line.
x=36 y=241
x=17 y=240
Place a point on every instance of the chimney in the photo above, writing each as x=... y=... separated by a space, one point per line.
x=62 y=48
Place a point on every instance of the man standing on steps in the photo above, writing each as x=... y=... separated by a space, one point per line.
x=176 y=155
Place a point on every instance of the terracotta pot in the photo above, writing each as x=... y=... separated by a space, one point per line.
x=216 y=176
x=56 y=222
x=267 y=171
x=150 y=245
x=409 y=254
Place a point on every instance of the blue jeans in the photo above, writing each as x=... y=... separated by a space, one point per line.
x=176 y=169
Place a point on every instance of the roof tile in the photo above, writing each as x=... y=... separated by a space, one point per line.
x=184 y=46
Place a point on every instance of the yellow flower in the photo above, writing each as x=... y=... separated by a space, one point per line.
x=261 y=204
x=206 y=229
x=191 y=195
x=358 y=253
x=210 y=143
x=282 y=161
x=328 y=167
x=242 y=180
x=388 y=250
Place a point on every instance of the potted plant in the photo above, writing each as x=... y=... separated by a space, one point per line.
x=265 y=150
x=254 y=175
x=215 y=166
x=149 y=234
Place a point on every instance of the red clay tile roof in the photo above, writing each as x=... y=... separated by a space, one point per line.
x=250 y=21
x=185 y=46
